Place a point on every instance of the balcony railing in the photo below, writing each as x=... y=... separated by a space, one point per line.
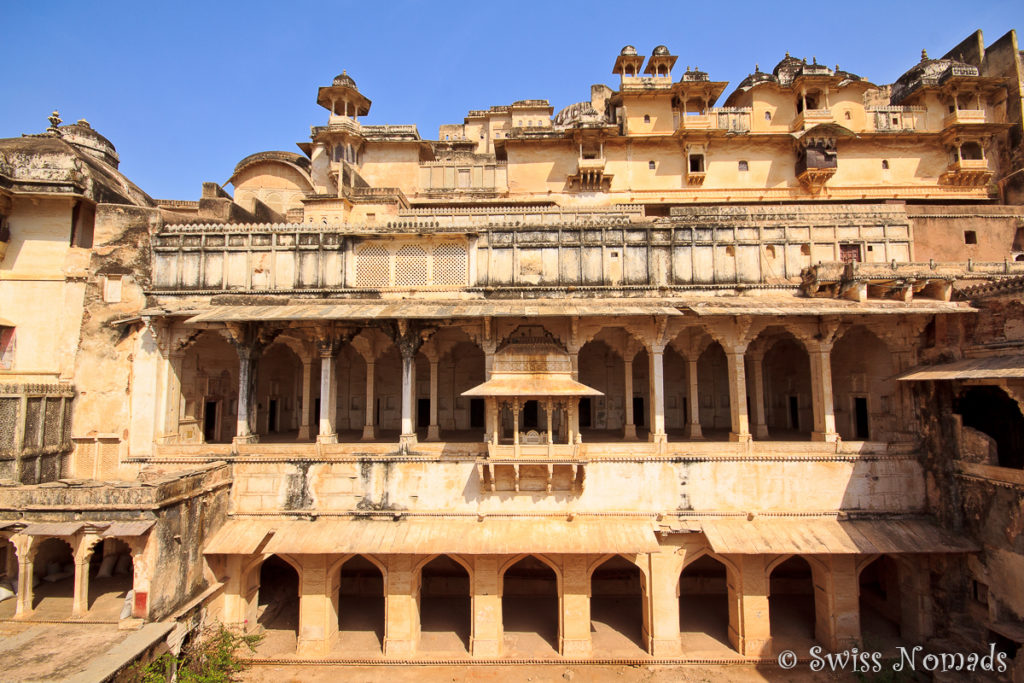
x=964 y=116
x=811 y=117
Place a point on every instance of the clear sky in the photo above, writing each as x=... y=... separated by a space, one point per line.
x=185 y=89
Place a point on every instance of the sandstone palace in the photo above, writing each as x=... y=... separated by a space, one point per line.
x=684 y=371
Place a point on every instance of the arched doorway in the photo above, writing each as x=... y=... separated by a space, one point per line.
x=529 y=608
x=54 y=567
x=601 y=367
x=788 y=407
x=461 y=418
x=209 y=390
x=278 y=394
x=361 y=607
x=791 y=605
x=111 y=577
x=713 y=393
x=704 y=606
x=616 y=607
x=880 y=616
x=991 y=411
x=445 y=618
x=277 y=609
x=863 y=387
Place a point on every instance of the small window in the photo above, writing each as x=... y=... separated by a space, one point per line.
x=885 y=164
x=7 y=344
x=696 y=163
x=767 y=116
x=371 y=218
x=651 y=165
x=970 y=237
x=647 y=118
x=895 y=120
x=744 y=166
x=112 y=289
x=847 y=116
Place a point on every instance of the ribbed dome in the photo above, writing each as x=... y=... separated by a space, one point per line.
x=576 y=114
x=660 y=51
x=928 y=72
x=628 y=51
x=344 y=79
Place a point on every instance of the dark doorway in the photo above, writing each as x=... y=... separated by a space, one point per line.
x=639 y=415
x=990 y=410
x=616 y=605
x=791 y=603
x=530 y=415
x=585 y=412
x=880 y=604
x=444 y=606
x=476 y=413
x=278 y=607
x=422 y=412
x=316 y=412
x=860 y=417
x=272 y=415
x=794 y=412
x=529 y=608
x=704 y=603
x=210 y=422
x=361 y=606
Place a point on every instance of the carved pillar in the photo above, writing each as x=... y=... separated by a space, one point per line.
x=515 y=425
x=737 y=391
x=549 y=407
x=656 y=356
x=693 y=429
x=434 y=430
x=80 y=601
x=247 y=359
x=757 y=367
x=26 y=567
x=821 y=391
x=629 y=428
x=409 y=339
x=328 y=433
x=175 y=363
x=369 y=424
x=306 y=400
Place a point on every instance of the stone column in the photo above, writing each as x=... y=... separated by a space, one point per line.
x=317 y=621
x=760 y=423
x=486 y=636
x=749 y=625
x=175 y=361
x=694 y=431
x=434 y=430
x=663 y=630
x=820 y=353
x=328 y=433
x=306 y=400
x=549 y=407
x=26 y=566
x=574 y=622
x=515 y=425
x=656 y=355
x=837 y=603
x=247 y=358
x=80 y=601
x=369 y=424
x=737 y=392
x=629 y=429
x=234 y=592
x=401 y=623
x=408 y=341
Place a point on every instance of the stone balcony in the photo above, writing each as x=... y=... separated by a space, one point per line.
x=810 y=118
x=964 y=117
x=697 y=122
x=967 y=173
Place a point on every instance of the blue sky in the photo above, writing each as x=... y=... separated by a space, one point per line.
x=186 y=89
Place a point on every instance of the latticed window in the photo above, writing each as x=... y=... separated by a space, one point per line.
x=450 y=264
x=373 y=267
x=410 y=266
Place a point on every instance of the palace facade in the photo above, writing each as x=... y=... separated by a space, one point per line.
x=677 y=372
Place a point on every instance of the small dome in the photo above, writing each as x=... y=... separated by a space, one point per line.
x=85 y=137
x=628 y=51
x=928 y=72
x=578 y=114
x=344 y=79
x=660 y=51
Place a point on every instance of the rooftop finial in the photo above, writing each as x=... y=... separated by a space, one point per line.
x=757 y=67
x=924 y=55
x=54 y=120
x=344 y=72
x=815 y=60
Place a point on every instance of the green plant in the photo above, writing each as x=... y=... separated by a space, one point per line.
x=212 y=656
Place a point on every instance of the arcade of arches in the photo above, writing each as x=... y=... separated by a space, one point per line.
x=812 y=379
x=683 y=601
